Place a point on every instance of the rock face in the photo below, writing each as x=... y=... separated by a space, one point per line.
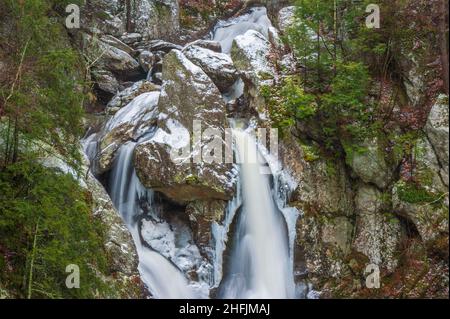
x=187 y=95
x=369 y=162
x=424 y=201
x=151 y=19
x=218 y=66
x=378 y=233
x=438 y=134
x=324 y=195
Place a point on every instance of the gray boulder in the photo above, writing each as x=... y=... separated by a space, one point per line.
x=218 y=66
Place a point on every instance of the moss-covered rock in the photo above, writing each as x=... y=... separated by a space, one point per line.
x=370 y=161
x=424 y=199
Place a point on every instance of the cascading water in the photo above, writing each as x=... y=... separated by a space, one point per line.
x=129 y=195
x=225 y=31
x=259 y=266
x=261 y=263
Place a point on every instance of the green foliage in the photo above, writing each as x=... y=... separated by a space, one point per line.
x=37 y=201
x=43 y=101
x=329 y=39
x=288 y=102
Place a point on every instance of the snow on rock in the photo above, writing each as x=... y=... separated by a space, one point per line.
x=218 y=66
x=187 y=95
x=250 y=54
x=286 y=18
x=438 y=133
x=129 y=123
x=127 y=95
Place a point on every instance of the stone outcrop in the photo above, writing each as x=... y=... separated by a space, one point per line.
x=187 y=95
x=218 y=66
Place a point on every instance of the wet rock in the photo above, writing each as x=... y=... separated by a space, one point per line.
x=218 y=66
x=146 y=60
x=106 y=81
x=201 y=215
x=157 y=78
x=206 y=44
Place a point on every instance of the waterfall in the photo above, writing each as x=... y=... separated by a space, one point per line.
x=260 y=263
x=225 y=31
x=162 y=278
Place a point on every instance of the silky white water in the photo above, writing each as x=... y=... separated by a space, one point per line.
x=225 y=31
x=162 y=278
x=260 y=262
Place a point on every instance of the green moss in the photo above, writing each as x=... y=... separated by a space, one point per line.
x=416 y=194
x=310 y=152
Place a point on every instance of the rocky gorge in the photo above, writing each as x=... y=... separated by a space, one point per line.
x=157 y=67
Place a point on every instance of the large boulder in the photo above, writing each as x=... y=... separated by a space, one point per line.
x=250 y=54
x=218 y=66
x=126 y=96
x=378 y=233
x=104 y=56
x=131 y=122
x=438 y=134
x=187 y=95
